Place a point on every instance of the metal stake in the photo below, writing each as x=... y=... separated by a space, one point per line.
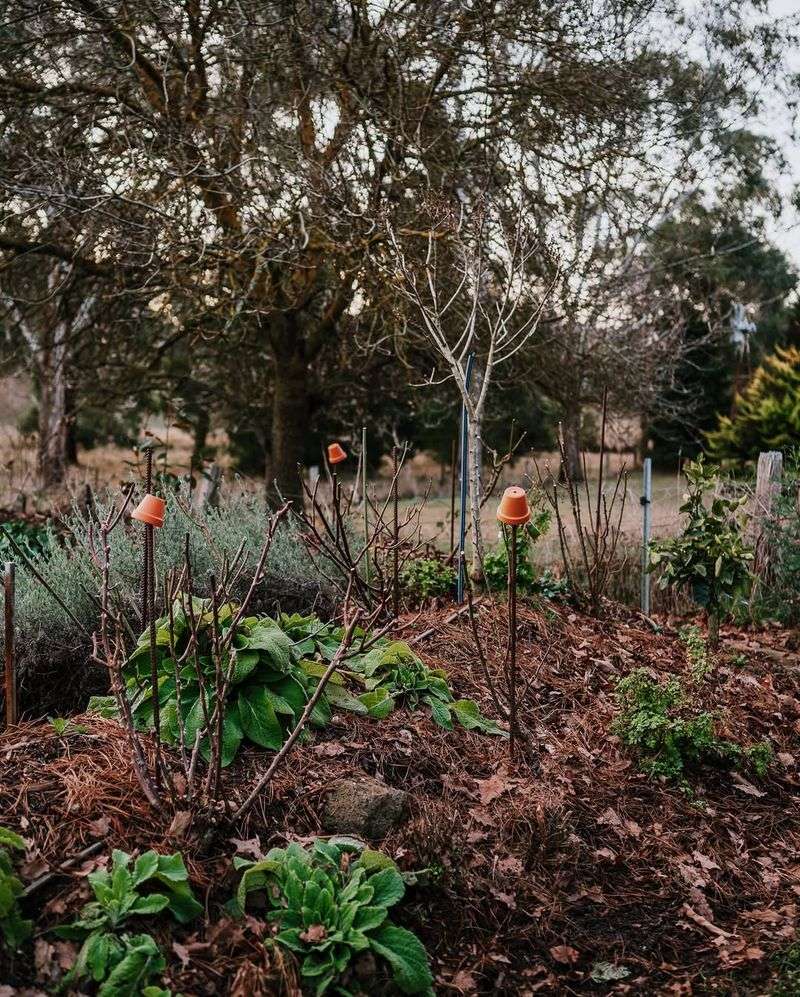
x=453 y=454
x=647 y=512
x=145 y=579
x=512 y=640
x=10 y=665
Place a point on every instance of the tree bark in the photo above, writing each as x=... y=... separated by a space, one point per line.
x=290 y=423
x=571 y=428
x=475 y=450
x=53 y=415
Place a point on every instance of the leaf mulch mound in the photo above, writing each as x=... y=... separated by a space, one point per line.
x=569 y=872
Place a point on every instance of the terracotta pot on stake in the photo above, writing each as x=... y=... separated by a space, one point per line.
x=336 y=454
x=513 y=511
x=150 y=511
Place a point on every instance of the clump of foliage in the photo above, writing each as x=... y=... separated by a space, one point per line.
x=495 y=563
x=14 y=928
x=269 y=681
x=699 y=660
x=767 y=413
x=49 y=637
x=123 y=964
x=33 y=538
x=670 y=736
x=274 y=667
x=710 y=556
x=330 y=903
x=392 y=674
x=428 y=578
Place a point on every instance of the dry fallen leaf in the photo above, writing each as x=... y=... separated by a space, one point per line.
x=565 y=954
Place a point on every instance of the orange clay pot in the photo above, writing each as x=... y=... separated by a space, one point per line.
x=150 y=511
x=336 y=454
x=513 y=509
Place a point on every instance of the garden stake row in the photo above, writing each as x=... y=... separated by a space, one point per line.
x=513 y=511
x=10 y=664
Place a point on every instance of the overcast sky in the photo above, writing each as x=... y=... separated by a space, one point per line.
x=777 y=122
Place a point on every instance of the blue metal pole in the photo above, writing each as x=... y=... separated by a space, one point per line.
x=462 y=529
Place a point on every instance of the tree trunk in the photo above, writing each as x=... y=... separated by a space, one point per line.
x=53 y=415
x=290 y=423
x=475 y=457
x=571 y=428
x=201 y=427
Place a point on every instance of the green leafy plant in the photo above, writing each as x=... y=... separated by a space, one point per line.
x=124 y=964
x=660 y=722
x=428 y=578
x=495 y=563
x=270 y=681
x=710 y=556
x=331 y=902
x=391 y=673
x=14 y=928
x=33 y=538
x=63 y=726
x=698 y=658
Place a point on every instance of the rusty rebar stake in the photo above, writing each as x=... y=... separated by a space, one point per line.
x=10 y=663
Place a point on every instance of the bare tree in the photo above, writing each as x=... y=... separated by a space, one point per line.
x=480 y=297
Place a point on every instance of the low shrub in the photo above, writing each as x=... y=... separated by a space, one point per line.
x=329 y=904
x=710 y=557
x=14 y=928
x=53 y=645
x=428 y=578
x=670 y=736
x=123 y=964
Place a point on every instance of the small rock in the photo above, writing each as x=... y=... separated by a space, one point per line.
x=363 y=806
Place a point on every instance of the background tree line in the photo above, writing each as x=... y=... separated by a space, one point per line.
x=215 y=210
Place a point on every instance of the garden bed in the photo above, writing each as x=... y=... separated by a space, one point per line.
x=569 y=872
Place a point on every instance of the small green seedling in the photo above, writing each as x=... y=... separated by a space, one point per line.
x=63 y=727
x=329 y=903
x=124 y=964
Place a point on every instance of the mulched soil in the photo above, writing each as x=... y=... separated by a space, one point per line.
x=539 y=871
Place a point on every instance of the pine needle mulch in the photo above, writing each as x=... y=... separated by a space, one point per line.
x=568 y=872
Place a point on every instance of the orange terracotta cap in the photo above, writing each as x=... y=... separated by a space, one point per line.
x=336 y=454
x=150 y=510
x=513 y=508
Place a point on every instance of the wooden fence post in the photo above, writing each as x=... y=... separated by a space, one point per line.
x=768 y=488
x=10 y=664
